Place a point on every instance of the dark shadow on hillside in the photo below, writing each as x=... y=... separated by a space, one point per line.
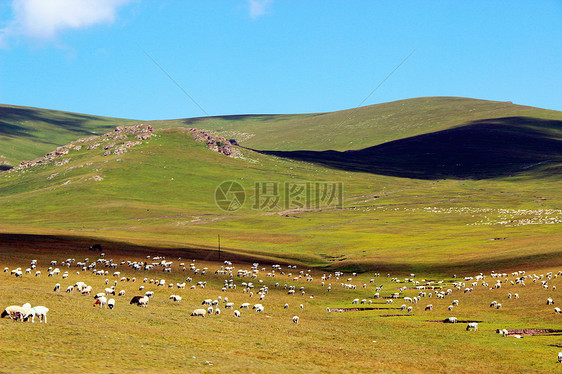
x=478 y=150
x=12 y=118
x=67 y=244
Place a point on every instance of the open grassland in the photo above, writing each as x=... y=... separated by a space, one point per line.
x=81 y=338
x=157 y=198
x=162 y=193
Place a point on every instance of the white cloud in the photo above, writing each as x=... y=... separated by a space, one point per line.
x=258 y=7
x=44 y=19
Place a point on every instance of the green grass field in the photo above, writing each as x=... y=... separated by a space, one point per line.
x=418 y=196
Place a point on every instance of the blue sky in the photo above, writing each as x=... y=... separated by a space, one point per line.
x=273 y=56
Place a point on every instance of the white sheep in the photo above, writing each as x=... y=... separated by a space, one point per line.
x=199 y=313
x=472 y=326
x=451 y=320
x=296 y=320
x=40 y=311
x=101 y=301
x=14 y=312
x=57 y=287
x=557 y=310
x=143 y=301
x=121 y=293
x=111 y=303
x=549 y=301
x=87 y=290
x=217 y=311
x=560 y=357
x=236 y=313
x=176 y=298
x=210 y=310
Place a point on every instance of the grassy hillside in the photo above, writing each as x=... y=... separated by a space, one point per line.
x=162 y=193
x=27 y=133
x=361 y=127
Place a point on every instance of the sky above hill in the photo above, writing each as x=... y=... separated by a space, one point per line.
x=165 y=59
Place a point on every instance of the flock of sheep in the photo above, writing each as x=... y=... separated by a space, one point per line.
x=102 y=299
x=250 y=281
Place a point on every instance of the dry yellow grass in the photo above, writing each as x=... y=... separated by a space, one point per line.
x=81 y=338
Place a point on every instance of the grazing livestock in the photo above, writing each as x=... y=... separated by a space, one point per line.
x=451 y=320
x=199 y=313
x=175 y=298
x=472 y=326
x=236 y=313
x=549 y=301
x=428 y=307
x=296 y=320
x=87 y=290
x=135 y=300
x=557 y=310
x=57 y=287
x=559 y=357
x=143 y=301
x=14 y=312
x=111 y=303
x=101 y=301
x=39 y=311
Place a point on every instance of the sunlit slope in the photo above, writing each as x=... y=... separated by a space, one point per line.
x=27 y=133
x=162 y=193
x=361 y=127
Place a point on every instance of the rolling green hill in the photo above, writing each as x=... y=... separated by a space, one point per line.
x=361 y=127
x=28 y=133
x=161 y=190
